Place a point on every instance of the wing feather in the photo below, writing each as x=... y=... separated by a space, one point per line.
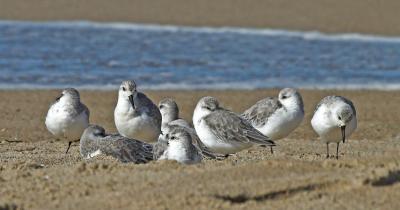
x=228 y=126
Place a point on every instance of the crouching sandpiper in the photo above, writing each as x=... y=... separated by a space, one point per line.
x=223 y=131
x=95 y=141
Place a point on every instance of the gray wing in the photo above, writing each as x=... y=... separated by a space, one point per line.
x=180 y=122
x=126 y=150
x=195 y=153
x=259 y=113
x=78 y=109
x=227 y=126
x=83 y=108
x=328 y=100
x=204 y=149
x=145 y=104
x=159 y=149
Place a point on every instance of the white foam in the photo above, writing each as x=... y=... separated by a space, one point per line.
x=248 y=85
x=306 y=35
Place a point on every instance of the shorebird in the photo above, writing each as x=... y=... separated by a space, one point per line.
x=277 y=117
x=95 y=141
x=223 y=131
x=170 y=117
x=170 y=114
x=334 y=120
x=135 y=115
x=67 y=117
x=179 y=147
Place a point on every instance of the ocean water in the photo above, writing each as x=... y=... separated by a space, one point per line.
x=91 y=55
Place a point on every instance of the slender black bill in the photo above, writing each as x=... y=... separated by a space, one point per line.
x=58 y=98
x=131 y=100
x=343 y=129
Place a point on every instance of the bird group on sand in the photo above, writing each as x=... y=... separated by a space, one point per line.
x=148 y=132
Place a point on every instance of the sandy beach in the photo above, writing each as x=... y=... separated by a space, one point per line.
x=36 y=174
x=356 y=16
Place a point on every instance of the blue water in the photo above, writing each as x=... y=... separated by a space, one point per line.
x=94 y=55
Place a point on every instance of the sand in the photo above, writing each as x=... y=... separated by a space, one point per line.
x=36 y=174
x=361 y=16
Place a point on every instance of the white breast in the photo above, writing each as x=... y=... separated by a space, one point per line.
x=139 y=127
x=61 y=124
x=328 y=131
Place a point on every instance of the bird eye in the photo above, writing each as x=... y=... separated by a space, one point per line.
x=284 y=97
x=340 y=118
x=161 y=106
x=123 y=88
x=173 y=137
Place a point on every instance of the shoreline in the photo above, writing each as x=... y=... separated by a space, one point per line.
x=358 y=16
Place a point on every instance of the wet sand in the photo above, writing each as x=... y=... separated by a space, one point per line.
x=360 y=16
x=36 y=174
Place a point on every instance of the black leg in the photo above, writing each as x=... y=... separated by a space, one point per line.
x=69 y=145
x=337 y=151
x=327 y=150
x=272 y=150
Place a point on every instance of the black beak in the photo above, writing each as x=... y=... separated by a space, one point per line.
x=58 y=98
x=343 y=129
x=131 y=100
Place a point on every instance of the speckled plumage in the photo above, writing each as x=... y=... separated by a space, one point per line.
x=227 y=125
x=223 y=131
x=259 y=113
x=94 y=140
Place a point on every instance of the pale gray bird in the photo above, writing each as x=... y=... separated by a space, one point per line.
x=334 y=120
x=135 y=115
x=277 y=117
x=67 y=117
x=170 y=113
x=170 y=117
x=179 y=147
x=95 y=141
x=223 y=131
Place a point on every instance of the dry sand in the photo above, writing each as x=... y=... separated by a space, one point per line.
x=36 y=174
x=333 y=16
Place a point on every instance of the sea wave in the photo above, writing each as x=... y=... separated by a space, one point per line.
x=219 y=86
x=306 y=35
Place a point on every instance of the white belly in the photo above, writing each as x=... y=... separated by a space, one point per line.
x=139 y=127
x=281 y=124
x=217 y=145
x=177 y=152
x=328 y=132
x=62 y=125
